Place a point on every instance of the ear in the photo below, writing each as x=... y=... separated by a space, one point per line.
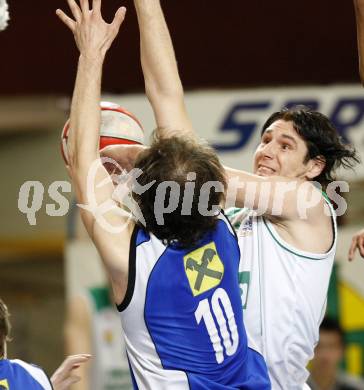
x=315 y=167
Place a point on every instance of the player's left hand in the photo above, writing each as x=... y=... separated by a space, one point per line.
x=64 y=376
x=357 y=242
x=92 y=34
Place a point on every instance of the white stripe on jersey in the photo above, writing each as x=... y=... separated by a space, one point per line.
x=36 y=372
x=143 y=357
x=225 y=219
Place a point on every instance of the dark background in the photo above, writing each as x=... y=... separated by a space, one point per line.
x=230 y=43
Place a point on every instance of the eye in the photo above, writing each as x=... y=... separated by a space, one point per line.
x=264 y=140
x=286 y=146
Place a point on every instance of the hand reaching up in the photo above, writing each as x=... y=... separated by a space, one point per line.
x=92 y=34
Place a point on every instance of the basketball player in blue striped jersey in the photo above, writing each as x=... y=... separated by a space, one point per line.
x=174 y=277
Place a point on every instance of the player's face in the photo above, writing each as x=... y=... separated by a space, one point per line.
x=281 y=152
x=329 y=350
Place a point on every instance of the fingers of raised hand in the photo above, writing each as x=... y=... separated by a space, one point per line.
x=118 y=18
x=74 y=361
x=70 y=23
x=353 y=246
x=96 y=6
x=75 y=9
x=361 y=245
x=70 y=363
x=85 y=7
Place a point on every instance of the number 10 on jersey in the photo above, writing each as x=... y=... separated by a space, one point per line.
x=229 y=337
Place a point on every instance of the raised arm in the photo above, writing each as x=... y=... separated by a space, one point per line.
x=162 y=82
x=104 y=220
x=359 y=14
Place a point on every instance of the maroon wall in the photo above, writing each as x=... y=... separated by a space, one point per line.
x=218 y=43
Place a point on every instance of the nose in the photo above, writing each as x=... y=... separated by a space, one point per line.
x=269 y=150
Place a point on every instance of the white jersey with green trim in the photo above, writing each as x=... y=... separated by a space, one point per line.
x=284 y=293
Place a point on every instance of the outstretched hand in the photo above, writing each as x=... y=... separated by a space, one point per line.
x=92 y=34
x=357 y=242
x=64 y=376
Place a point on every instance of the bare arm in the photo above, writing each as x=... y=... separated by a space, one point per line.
x=165 y=92
x=78 y=336
x=359 y=14
x=280 y=197
x=106 y=227
x=162 y=82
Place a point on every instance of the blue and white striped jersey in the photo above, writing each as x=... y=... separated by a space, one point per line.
x=18 y=375
x=182 y=316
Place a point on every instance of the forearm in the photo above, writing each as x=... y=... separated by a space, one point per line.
x=272 y=195
x=239 y=185
x=359 y=14
x=83 y=142
x=83 y=139
x=157 y=55
x=162 y=82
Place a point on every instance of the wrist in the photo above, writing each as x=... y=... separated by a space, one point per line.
x=146 y=4
x=92 y=58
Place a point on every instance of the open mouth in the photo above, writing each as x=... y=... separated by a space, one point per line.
x=264 y=169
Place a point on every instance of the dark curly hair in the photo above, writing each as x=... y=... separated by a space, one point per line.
x=4 y=327
x=322 y=140
x=171 y=160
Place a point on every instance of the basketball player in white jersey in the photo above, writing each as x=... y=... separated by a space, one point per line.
x=286 y=256
x=174 y=278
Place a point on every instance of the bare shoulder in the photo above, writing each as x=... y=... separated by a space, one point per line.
x=314 y=228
